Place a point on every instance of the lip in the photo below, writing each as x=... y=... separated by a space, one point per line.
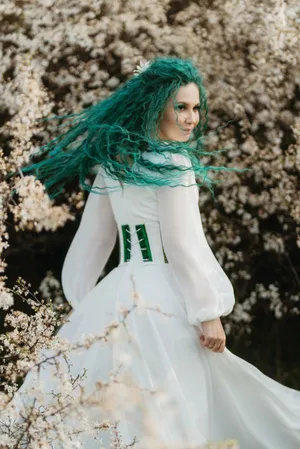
x=188 y=130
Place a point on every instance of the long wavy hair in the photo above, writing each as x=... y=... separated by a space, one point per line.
x=117 y=131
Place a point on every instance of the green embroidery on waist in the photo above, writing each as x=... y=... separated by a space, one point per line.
x=144 y=242
x=126 y=242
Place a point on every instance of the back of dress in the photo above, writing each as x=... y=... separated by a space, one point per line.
x=135 y=211
x=132 y=204
x=157 y=227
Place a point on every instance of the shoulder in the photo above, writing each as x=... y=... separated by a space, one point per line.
x=178 y=171
x=167 y=158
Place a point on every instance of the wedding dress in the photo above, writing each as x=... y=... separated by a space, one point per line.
x=164 y=254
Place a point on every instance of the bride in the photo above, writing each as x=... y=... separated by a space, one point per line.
x=146 y=142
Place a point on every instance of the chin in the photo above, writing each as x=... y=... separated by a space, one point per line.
x=179 y=138
x=182 y=138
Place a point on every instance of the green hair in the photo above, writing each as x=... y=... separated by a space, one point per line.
x=118 y=130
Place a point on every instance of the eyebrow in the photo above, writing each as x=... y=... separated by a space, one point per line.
x=187 y=104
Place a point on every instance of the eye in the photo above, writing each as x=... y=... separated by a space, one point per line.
x=182 y=107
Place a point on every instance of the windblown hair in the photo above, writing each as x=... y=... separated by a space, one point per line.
x=117 y=131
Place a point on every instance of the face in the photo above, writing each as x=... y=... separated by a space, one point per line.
x=180 y=118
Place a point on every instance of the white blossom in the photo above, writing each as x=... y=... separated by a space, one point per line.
x=141 y=67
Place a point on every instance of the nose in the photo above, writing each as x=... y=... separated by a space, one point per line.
x=191 y=118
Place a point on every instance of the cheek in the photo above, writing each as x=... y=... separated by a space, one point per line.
x=171 y=117
x=169 y=120
x=181 y=118
x=176 y=118
x=172 y=123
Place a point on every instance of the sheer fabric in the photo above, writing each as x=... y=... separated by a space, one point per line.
x=90 y=247
x=207 y=291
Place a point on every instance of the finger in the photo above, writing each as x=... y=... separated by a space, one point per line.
x=202 y=341
x=219 y=345
x=216 y=346
x=223 y=346
x=210 y=342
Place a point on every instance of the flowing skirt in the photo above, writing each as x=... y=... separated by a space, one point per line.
x=201 y=396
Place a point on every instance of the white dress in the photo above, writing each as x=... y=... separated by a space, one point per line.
x=212 y=396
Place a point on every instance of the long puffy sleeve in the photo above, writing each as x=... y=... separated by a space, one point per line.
x=91 y=246
x=207 y=291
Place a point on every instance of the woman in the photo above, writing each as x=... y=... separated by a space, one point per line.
x=147 y=141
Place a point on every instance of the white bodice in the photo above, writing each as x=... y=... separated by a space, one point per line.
x=164 y=222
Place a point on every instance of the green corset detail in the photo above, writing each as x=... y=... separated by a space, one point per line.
x=144 y=242
x=126 y=242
